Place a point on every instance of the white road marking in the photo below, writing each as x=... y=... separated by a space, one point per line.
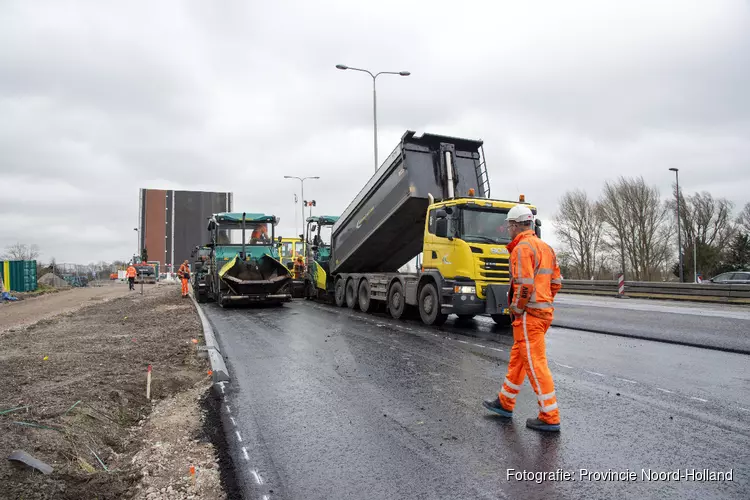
x=478 y=345
x=595 y=373
x=257 y=477
x=664 y=390
x=462 y=342
x=699 y=399
x=244 y=453
x=229 y=410
x=266 y=497
x=496 y=349
x=744 y=409
x=239 y=438
x=222 y=387
x=564 y=366
x=627 y=380
x=234 y=423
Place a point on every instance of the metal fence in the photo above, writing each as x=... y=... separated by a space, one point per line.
x=704 y=292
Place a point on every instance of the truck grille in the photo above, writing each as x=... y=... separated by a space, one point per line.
x=494 y=269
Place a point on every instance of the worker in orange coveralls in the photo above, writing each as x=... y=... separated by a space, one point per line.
x=535 y=280
x=299 y=268
x=184 y=274
x=259 y=233
x=130 y=275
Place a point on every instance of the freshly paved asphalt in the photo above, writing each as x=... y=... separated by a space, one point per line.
x=333 y=404
x=724 y=327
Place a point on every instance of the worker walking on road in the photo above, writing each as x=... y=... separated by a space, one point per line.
x=535 y=280
x=184 y=274
x=130 y=275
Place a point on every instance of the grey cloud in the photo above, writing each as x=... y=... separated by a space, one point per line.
x=100 y=100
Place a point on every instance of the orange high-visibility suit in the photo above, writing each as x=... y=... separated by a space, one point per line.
x=184 y=274
x=130 y=274
x=535 y=280
x=260 y=232
x=299 y=268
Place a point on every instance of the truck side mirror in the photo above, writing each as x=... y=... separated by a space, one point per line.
x=538 y=228
x=441 y=227
x=211 y=225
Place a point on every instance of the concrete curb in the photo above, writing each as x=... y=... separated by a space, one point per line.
x=218 y=367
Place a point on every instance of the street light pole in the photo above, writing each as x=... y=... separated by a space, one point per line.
x=138 y=242
x=374 y=101
x=302 y=199
x=679 y=232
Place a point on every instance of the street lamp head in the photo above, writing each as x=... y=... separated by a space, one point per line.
x=404 y=73
x=316 y=177
x=342 y=66
x=288 y=177
x=135 y=229
x=673 y=169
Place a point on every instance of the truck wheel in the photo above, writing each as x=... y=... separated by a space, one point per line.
x=351 y=295
x=429 y=306
x=502 y=319
x=340 y=293
x=364 y=295
x=396 y=302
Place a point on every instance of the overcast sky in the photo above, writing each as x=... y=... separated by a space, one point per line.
x=98 y=99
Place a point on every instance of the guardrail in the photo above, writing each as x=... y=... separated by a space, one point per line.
x=704 y=292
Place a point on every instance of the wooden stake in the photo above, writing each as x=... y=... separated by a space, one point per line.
x=148 y=383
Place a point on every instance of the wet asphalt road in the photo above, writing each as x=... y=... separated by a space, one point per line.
x=332 y=404
x=725 y=327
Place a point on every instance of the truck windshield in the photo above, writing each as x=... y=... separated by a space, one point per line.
x=482 y=225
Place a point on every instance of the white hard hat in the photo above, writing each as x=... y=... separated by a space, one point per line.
x=520 y=213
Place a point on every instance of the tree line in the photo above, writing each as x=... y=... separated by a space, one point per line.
x=630 y=229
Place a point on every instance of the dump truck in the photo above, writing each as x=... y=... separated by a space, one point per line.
x=318 y=236
x=243 y=261
x=431 y=197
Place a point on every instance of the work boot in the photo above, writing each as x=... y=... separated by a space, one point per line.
x=497 y=407
x=538 y=425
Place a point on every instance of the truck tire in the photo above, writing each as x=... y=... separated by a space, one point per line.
x=351 y=295
x=429 y=306
x=340 y=293
x=502 y=319
x=396 y=301
x=364 y=295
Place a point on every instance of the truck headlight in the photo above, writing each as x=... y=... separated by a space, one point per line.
x=465 y=289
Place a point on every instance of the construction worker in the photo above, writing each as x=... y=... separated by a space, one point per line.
x=130 y=274
x=259 y=233
x=184 y=274
x=535 y=280
x=299 y=268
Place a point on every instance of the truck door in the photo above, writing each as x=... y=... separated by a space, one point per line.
x=437 y=251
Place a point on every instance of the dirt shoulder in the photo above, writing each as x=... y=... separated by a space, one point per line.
x=33 y=309
x=76 y=385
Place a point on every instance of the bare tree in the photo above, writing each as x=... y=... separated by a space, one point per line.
x=637 y=225
x=744 y=219
x=707 y=230
x=21 y=251
x=579 y=227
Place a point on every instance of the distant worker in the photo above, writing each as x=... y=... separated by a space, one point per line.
x=184 y=274
x=299 y=268
x=130 y=275
x=535 y=280
x=259 y=233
